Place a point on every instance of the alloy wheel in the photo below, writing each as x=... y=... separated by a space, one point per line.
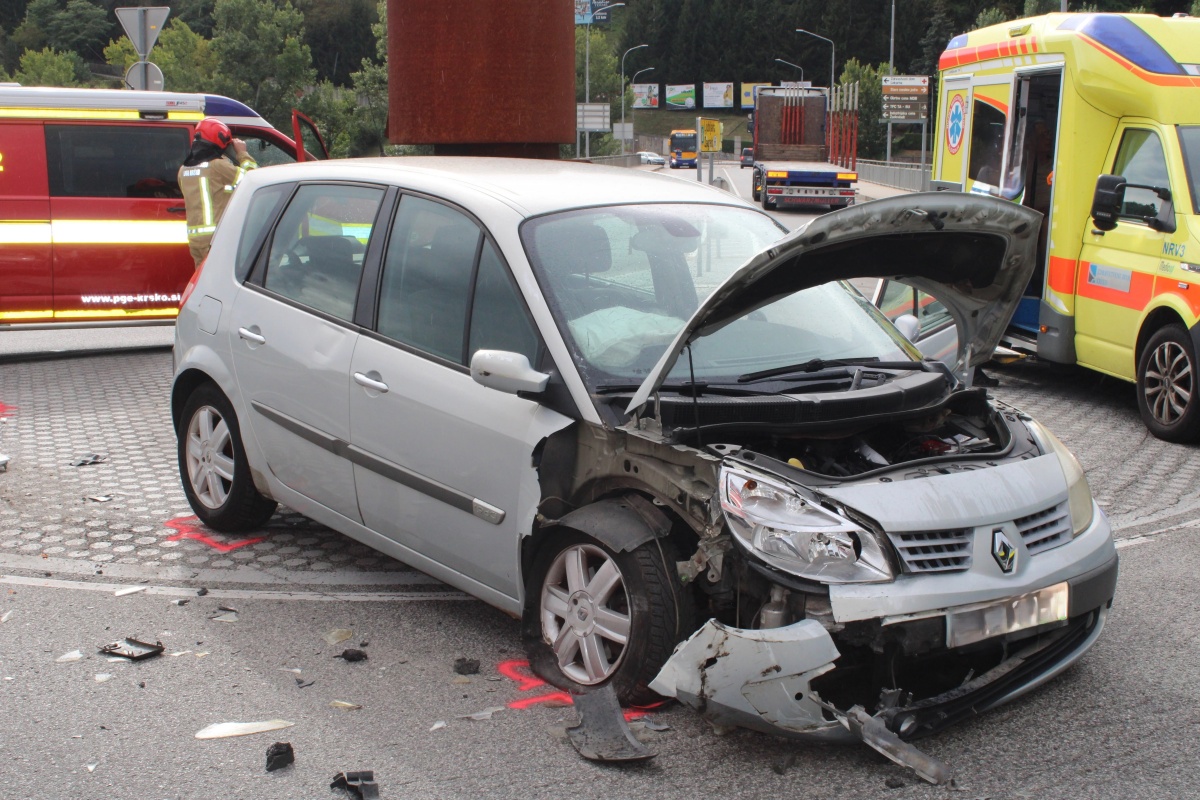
x=1169 y=383
x=209 y=456
x=585 y=613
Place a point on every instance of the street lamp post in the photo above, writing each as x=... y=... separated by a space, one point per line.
x=627 y=52
x=892 y=71
x=797 y=66
x=587 y=63
x=632 y=111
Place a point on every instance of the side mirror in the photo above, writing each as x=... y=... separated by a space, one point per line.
x=1107 y=201
x=507 y=372
x=909 y=325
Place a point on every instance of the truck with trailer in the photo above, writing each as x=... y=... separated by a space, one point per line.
x=1093 y=120
x=791 y=169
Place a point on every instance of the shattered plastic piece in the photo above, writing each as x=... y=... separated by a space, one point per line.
x=92 y=767
x=133 y=649
x=303 y=684
x=6 y=616
x=602 y=733
x=351 y=654
x=101 y=677
x=279 y=755
x=466 y=666
x=129 y=590
x=100 y=498
x=4 y=462
x=337 y=636
x=344 y=706
x=179 y=602
x=228 y=616
x=290 y=669
x=74 y=655
x=223 y=730
x=89 y=459
x=201 y=592
x=361 y=783
x=180 y=653
x=437 y=726
x=874 y=733
x=650 y=725
x=480 y=716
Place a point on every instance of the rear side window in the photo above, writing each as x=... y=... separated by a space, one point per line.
x=317 y=251
x=254 y=232
x=115 y=160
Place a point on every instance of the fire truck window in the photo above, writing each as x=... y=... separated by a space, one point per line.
x=1140 y=160
x=987 y=143
x=264 y=151
x=115 y=160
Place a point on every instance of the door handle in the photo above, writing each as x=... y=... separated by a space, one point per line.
x=252 y=335
x=371 y=382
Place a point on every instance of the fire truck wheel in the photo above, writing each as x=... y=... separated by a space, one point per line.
x=1167 y=385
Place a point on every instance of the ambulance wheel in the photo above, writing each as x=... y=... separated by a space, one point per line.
x=1167 y=385
x=213 y=466
x=595 y=617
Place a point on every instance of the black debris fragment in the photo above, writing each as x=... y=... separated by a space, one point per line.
x=352 y=654
x=892 y=782
x=303 y=684
x=89 y=459
x=361 y=784
x=132 y=649
x=201 y=592
x=784 y=764
x=602 y=733
x=466 y=666
x=280 y=755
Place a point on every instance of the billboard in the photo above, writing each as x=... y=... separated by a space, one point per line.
x=718 y=95
x=645 y=95
x=681 y=95
x=589 y=11
x=748 y=93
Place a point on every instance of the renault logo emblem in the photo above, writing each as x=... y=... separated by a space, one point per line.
x=1003 y=551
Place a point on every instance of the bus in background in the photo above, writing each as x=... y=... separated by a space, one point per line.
x=92 y=222
x=683 y=148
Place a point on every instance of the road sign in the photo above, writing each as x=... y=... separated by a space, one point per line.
x=710 y=135
x=143 y=76
x=142 y=26
x=905 y=98
x=906 y=84
x=593 y=117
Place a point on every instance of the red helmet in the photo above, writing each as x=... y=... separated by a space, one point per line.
x=215 y=132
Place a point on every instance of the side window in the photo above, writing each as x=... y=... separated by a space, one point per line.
x=987 y=144
x=262 y=204
x=427 y=278
x=1140 y=160
x=115 y=160
x=899 y=299
x=931 y=313
x=265 y=151
x=317 y=250
x=499 y=320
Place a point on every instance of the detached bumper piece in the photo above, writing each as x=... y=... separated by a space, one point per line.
x=602 y=733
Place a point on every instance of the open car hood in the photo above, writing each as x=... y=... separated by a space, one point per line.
x=974 y=253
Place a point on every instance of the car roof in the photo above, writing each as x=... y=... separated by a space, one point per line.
x=530 y=186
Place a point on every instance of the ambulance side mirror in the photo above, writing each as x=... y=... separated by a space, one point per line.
x=1107 y=201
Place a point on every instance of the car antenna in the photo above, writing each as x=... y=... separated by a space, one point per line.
x=695 y=393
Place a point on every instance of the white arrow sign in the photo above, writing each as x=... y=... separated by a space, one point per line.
x=142 y=26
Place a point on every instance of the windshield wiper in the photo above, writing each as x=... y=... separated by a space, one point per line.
x=818 y=364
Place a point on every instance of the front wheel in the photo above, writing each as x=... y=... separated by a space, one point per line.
x=1166 y=385
x=213 y=466
x=594 y=616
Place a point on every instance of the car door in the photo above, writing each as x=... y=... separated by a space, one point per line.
x=293 y=339
x=445 y=466
x=937 y=337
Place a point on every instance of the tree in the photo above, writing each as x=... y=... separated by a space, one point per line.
x=185 y=57
x=339 y=34
x=46 y=67
x=80 y=27
x=261 y=55
x=371 y=90
x=933 y=43
x=989 y=16
x=872 y=136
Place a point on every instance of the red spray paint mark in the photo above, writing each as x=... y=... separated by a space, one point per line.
x=6 y=410
x=517 y=670
x=189 y=528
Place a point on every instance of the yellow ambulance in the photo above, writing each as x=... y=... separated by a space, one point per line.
x=1094 y=120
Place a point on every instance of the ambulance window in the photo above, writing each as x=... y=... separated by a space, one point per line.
x=987 y=144
x=1189 y=136
x=115 y=160
x=265 y=151
x=1140 y=160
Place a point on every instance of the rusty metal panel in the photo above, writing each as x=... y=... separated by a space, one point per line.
x=464 y=73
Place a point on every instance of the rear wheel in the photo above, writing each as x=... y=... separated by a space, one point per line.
x=213 y=466
x=595 y=616
x=1166 y=385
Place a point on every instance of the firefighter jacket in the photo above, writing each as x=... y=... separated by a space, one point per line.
x=206 y=188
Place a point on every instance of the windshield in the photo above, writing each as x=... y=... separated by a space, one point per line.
x=1189 y=137
x=683 y=141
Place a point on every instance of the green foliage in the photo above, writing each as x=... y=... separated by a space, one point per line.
x=198 y=14
x=185 y=57
x=80 y=27
x=46 y=67
x=1195 y=12
x=988 y=17
x=1035 y=8
x=939 y=33
x=872 y=136
x=338 y=32
x=261 y=55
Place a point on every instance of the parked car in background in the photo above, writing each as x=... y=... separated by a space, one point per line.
x=634 y=411
x=651 y=158
x=747 y=157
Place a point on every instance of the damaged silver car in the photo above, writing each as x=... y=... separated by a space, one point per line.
x=669 y=435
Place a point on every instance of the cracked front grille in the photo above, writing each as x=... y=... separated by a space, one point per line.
x=1046 y=529
x=934 y=551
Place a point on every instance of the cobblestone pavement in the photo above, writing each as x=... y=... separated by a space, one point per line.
x=127 y=514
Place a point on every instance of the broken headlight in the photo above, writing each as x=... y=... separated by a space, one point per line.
x=791 y=531
x=1079 y=494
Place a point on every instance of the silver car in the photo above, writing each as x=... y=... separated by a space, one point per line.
x=638 y=414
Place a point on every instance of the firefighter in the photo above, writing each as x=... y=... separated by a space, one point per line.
x=207 y=178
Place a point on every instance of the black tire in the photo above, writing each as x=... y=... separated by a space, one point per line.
x=1167 y=385
x=754 y=193
x=767 y=203
x=223 y=502
x=659 y=616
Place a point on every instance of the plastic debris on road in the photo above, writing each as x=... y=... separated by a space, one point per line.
x=344 y=706
x=351 y=654
x=486 y=714
x=602 y=733
x=361 y=784
x=225 y=616
x=89 y=459
x=6 y=616
x=337 y=636
x=74 y=655
x=129 y=590
x=437 y=726
x=280 y=755
x=102 y=677
x=133 y=649
x=223 y=730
